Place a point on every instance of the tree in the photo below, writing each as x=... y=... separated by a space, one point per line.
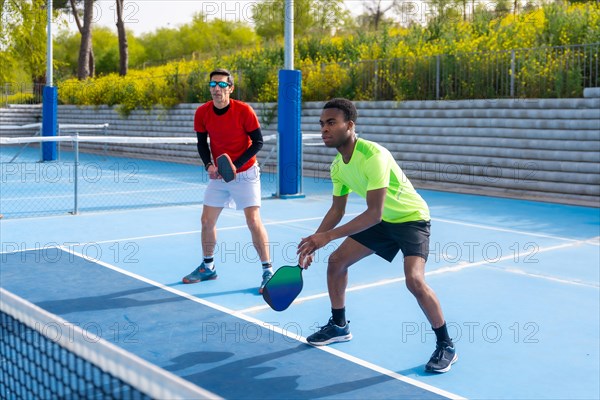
x=6 y=58
x=330 y=16
x=441 y=9
x=502 y=7
x=86 y=64
x=25 y=23
x=161 y=45
x=374 y=13
x=197 y=38
x=106 y=52
x=309 y=16
x=66 y=52
x=123 y=46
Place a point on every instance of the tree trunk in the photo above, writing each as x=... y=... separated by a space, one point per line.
x=123 y=46
x=38 y=87
x=92 y=61
x=83 y=67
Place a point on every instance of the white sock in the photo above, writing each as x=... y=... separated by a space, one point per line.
x=267 y=266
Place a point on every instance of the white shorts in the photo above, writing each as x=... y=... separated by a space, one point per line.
x=240 y=193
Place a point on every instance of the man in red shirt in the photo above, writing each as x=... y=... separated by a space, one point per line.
x=233 y=129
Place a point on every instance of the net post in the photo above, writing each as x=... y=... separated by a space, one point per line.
x=289 y=142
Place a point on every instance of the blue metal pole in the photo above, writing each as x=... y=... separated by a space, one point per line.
x=289 y=143
x=50 y=99
x=290 y=136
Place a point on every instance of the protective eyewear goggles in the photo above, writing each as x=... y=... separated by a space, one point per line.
x=220 y=84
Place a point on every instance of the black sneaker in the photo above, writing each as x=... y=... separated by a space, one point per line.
x=330 y=333
x=442 y=358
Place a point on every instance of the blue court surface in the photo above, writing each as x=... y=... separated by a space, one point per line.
x=519 y=283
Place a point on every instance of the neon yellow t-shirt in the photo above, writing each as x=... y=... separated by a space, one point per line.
x=373 y=167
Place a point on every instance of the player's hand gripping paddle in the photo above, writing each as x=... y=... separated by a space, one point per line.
x=283 y=287
x=226 y=168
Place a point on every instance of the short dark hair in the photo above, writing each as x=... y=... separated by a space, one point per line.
x=222 y=71
x=349 y=109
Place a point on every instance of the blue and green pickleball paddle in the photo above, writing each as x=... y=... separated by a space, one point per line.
x=283 y=287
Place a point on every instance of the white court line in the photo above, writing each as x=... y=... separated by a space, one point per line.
x=548 y=278
x=594 y=241
x=493 y=228
x=440 y=271
x=273 y=328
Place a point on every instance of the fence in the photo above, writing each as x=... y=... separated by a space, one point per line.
x=549 y=72
x=546 y=72
x=20 y=93
x=95 y=173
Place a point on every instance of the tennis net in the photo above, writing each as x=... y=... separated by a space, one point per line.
x=38 y=361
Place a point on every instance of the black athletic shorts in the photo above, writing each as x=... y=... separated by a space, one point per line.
x=386 y=239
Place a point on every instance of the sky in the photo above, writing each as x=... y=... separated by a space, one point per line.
x=143 y=16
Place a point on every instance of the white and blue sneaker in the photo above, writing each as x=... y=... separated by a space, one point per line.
x=200 y=274
x=267 y=274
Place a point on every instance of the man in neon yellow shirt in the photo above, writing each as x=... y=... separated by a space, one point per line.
x=396 y=218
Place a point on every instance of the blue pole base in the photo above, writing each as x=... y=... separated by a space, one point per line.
x=290 y=135
x=292 y=196
x=49 y=122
